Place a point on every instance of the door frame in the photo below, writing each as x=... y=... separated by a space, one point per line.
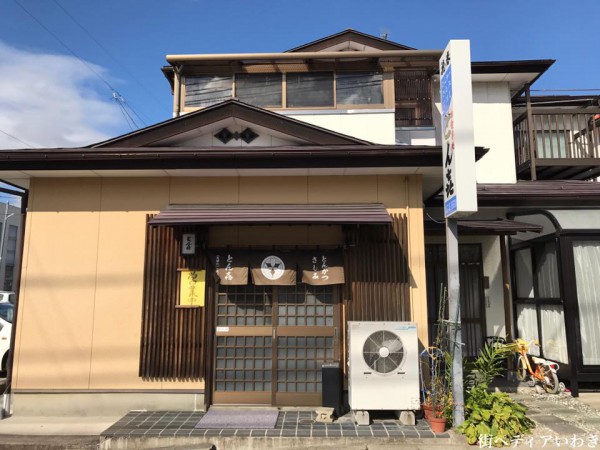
x=433 y=300
x=273 y=398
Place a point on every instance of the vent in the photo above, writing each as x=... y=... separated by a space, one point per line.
x=225 y=135
x=383 y=351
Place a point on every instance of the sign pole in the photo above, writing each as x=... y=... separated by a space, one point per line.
x=460 y=189
x=454 y=329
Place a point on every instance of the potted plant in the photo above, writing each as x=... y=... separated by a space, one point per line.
x=437 y=403
x=426 y=405
x=441 y=395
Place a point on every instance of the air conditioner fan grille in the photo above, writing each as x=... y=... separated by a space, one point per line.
x=383 y=351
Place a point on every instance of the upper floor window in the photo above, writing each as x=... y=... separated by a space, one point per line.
x=356 y=88
x=302 y=89
x=260 y=89
x=309 y=89
x=206 y=90
x=551 y=143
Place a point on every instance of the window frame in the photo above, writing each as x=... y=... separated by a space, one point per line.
x=387 y=98
x=536 y=246
x=235 y=87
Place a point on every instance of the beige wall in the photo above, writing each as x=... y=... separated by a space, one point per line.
x=492 y=129
x=378 y=127
x=81 y=294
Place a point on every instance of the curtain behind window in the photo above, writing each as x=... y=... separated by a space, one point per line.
x=587 y=260
x=527 y=326
x=524 y=273
x=554 y=336
x=547 y=272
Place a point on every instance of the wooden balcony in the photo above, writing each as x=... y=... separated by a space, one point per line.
x=558 y=144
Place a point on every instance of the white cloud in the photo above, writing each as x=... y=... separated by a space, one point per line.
x=51 y=100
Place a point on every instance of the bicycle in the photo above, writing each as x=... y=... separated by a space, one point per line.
x=545 y=370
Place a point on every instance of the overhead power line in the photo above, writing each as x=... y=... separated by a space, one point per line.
x=121 y=103
x=108 y=52
x=82 y=61
x=17 y=139
x=565 y=90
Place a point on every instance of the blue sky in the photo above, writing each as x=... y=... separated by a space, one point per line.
x=48 y=98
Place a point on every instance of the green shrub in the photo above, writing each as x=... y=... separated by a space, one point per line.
x=495 y=416
x=487 y=366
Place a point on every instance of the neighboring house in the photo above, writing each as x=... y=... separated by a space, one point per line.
x=216 y=257
x=10 y=217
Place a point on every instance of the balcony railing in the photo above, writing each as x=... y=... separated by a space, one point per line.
x=558 y=138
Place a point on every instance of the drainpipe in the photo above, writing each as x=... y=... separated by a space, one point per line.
x=7 y=403
x=177 y=91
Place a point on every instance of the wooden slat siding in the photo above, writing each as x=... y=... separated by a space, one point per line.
x=377 y=274
x=205 y=365
x=171 y=339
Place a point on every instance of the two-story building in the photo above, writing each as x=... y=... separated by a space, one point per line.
x=216 y=258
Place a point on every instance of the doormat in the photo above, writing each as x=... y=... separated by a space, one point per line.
x=227 y=418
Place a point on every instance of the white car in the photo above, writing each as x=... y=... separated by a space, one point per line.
x=7 y=297
x=6 y=318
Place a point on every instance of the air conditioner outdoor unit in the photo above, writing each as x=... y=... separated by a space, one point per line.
x=383 y=369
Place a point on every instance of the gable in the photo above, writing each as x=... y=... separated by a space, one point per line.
x=231 y=132
x=230 y=123
x=347 y=41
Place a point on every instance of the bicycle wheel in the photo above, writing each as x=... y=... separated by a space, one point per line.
x=550 y=381
x=521 y=368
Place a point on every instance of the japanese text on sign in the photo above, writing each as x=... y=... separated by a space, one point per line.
x=320 y=268
x=191 y=288
x=460 y=194
x=188 y=244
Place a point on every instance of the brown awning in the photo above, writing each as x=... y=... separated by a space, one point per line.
x=534 y=194
x=362 y=213
x=496 y=226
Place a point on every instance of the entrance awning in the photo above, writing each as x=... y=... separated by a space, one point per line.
x=489 y=227
x=498 y=226
x=361 y=213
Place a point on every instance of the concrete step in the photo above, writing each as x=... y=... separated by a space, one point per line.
x=277 y=443
x=31 y=442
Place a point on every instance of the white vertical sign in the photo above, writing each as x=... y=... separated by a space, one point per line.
x=188 y=244
x=460 y=186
